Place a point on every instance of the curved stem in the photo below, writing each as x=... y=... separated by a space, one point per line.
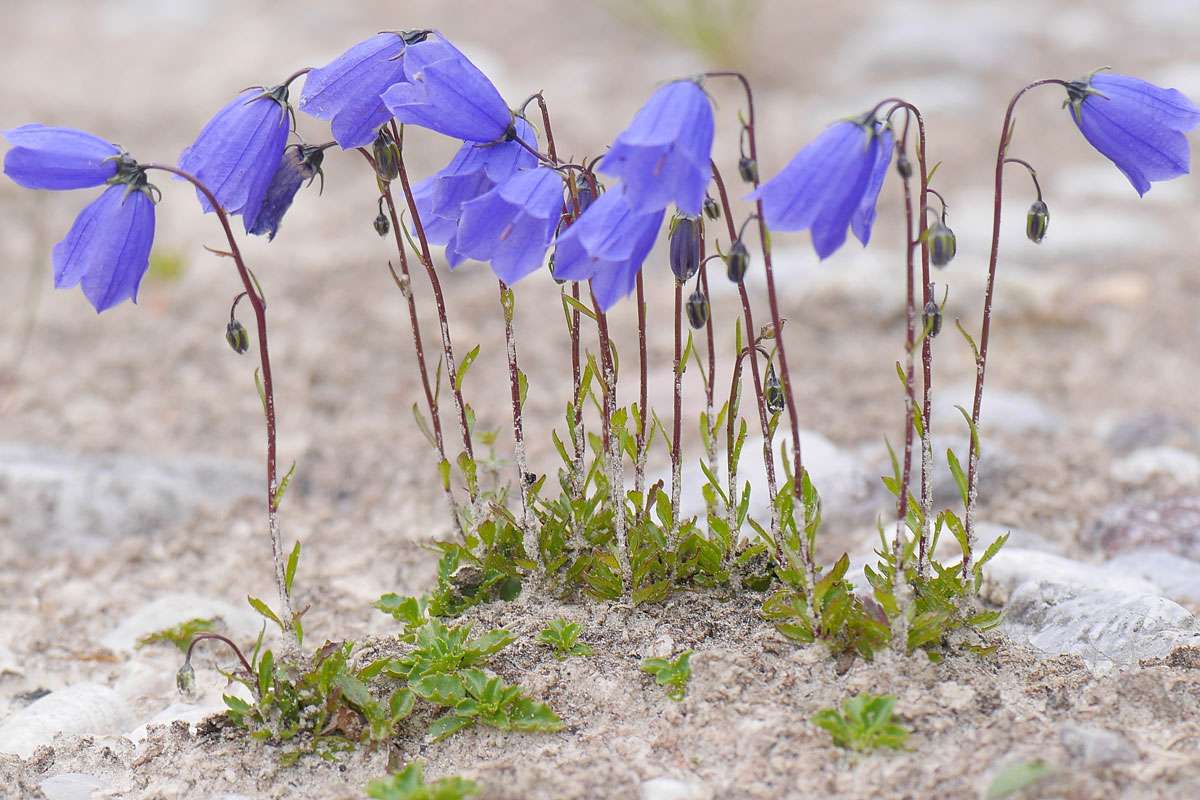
x=202 y=637
x=258 y=304
x=1032 y=174
x=985 y=330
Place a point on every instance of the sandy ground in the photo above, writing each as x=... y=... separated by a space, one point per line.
x=1095 y=324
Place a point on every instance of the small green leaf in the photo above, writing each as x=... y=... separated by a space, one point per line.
x=281 y=489
x=289 y=574
x=447 y=725
x=467 y=361
x=1013 y=779
x=263 y=609
x=442 y=690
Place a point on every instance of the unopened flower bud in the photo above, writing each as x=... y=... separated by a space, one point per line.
x=773 y=392
x=748 y=169
x=236 y=335
x=903 y=166
x=942 y=244
x=1037 y=221
x=932 y=318
x=711 y=209
x=583 y=188
x=685 y=247
x=737 y=262
x=387 y=156
x=382 y=226
x=185 y=679
x=697 y=309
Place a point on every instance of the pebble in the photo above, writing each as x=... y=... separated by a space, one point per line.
x=71 y=786
x=1147 y=429
x=169 y=610
x=1014 y=566
x=1175 y=576
x=1091 y=746
x=673 y=789
x=1155 y=464
x=54 y=498
x=1107 y=628
x=1172 y=523
x=77 y=710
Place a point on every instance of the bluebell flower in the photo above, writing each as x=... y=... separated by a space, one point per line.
x=1138 y=126
x=607 y=246
x=443 y=91
x=665 y=155
x=347 y=90
x=238 y=151
x=475 y=170
x=300 y=163
x=107 y=249
x=830 y=185
x=512 y=225
x=43 y=157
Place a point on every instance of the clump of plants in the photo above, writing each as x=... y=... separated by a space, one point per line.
x=864 y=723
x=595 y=525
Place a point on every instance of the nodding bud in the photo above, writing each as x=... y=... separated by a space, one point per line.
x=748 y=169
x=387 y=156
x=583 y=188
x=711 y=209
x=697 y=309
x=1037 y=221
x=932 y=318
x=685 y=247
x=236 y=335
x=942 y=244
x=773 y=392
x=737 y=262
x=185 y=679
x=382 y=226
x=903 y=166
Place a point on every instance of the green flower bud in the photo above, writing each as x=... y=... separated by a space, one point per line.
x=697 y=309
x=932 y=318
x=748 y=169
x=382 y=226
x=1037 y=221
x=185 y=679
x=737 y=262
x=942 y=244
x=236 y=335
x=903 y=166
x=711 y=209
x=387 y=156
x=773 y=392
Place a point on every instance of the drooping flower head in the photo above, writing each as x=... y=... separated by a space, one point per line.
x=300 y=163
x=512 y=225
x=831 y=185
x=107 y=250
x=347 y=90
x=665 y=155
x=475 y=170
x=607 y=245
x=238 y=151
x=443 y=91
x=1138 y=126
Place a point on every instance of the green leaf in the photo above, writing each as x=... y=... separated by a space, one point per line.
x=262 y=393
x=289 y=574
x=960 y=477
x=282 y=487
x=467 y=361
x=447 y=725
x=1013 y=779
x=355 y=692
x=522 y=387
x=442 y=690
x=423 y=425
x=180 y=635
x=263 y=609
x=266 y=673
x=578 y=306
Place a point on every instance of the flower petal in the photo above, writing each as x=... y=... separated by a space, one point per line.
x=1141 y=148
x=58 y=158
x=108 y=247
x=346 y=90
x=864 y=217
x=1169 y=106
x=794 y=197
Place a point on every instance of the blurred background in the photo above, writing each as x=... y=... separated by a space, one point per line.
x=146 y=415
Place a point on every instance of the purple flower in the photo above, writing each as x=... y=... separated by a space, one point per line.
x=1136 y=125
x=346 y=90
x=830 y=185
x=607 y=246
x=443 y=91
x=664 y=156
x=512 y=225
x=238 y=151
x=300 y=163
x=474 y=171
x=58 y=158
x=108 y=248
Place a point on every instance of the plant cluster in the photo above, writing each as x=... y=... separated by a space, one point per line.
x=864 y=723
x=595 y=525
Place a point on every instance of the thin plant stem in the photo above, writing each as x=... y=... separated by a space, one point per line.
x=773 y=301
x=404 y=283
x=639 y=474
x=910 y=400
x=614 y=461
x=440 y=301
x=677 y=408
x=524 y=478
x=710 y=379
x=259 y=306
x=216 y=637
x=985 y=330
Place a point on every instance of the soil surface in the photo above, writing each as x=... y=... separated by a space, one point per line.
x=1095 y=325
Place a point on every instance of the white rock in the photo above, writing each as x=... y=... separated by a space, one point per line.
x=673 y=789
x=78 y=710
x=1091 y=746
x=1012 y=567
x=71 y=786
x=55 y=498
x=1175 y=576
x=1157 y=464
x=168 y=610
x=1104 y=627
